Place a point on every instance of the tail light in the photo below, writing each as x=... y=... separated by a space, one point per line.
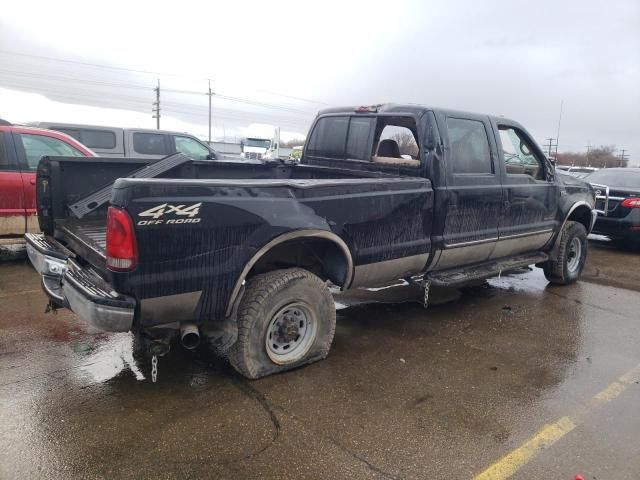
x=121 y=251
x=633 y=202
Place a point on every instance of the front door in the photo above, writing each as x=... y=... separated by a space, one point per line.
x=473 y=194
x=530 y=194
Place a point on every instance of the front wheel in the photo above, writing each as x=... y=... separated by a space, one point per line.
x=286 y=319
x=572 y=255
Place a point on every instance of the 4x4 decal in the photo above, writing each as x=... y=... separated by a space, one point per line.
x=179 y=212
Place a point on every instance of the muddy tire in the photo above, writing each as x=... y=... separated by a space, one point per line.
x=286 y=319
x=572 y=255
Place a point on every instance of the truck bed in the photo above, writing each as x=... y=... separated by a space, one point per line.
x=86 y=238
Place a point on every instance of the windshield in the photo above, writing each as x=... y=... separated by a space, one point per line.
x=616 y=178
x=257 y=142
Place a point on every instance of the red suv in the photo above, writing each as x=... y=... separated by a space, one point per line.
x=20 y=151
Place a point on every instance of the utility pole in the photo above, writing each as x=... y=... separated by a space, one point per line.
x=156 y=106
x=623 y=157
x=558 y=134
x=210 y=94
x=588 y=152
x=550 y=146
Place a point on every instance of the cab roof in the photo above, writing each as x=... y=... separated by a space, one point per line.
x=404 y=109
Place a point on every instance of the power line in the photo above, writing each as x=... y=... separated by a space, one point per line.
x=142 y=87
x=142 y=106
x=146 y=72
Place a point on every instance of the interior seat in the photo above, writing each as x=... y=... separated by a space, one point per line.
x=389 y=154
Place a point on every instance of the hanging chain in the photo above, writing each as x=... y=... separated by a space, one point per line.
x=154 y=368
x=425 y=300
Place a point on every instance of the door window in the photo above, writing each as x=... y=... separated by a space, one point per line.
x=469 y=145
x=519 y=154
x=37 y=146
x=151 y=143
x=191 y=148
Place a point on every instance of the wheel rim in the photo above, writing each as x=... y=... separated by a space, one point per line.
x=575 y=254
x=290 y=333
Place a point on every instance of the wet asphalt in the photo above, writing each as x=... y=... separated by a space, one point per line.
x=441 y=393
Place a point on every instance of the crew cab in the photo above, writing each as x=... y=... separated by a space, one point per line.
x=20 y=150
x=243 y=253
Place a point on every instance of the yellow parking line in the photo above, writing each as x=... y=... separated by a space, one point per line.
x=511 y=463
x=550 y=434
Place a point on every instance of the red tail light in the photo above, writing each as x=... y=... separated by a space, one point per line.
x=631 y=202
x=122 y=251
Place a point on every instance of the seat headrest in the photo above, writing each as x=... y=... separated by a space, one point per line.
x=389 y=148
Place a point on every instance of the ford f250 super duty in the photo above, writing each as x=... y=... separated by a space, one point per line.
x=243 y=253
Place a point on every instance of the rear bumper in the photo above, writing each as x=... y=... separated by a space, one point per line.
x=82 y=290
x=625 y=227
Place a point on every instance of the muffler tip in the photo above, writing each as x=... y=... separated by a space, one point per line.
x=189 y=336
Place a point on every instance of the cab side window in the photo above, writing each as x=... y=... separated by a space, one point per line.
x=151 y=143
x=519 y=154
x=469 y=144
x=37 y=146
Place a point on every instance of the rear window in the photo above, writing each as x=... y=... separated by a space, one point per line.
x=469 y=146
x=329 y=137
x=151 y=143
x=90 y=138
x=615 y=178
x=360 y=139
x=98 y=139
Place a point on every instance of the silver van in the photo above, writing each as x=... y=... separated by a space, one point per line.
x=133 y=142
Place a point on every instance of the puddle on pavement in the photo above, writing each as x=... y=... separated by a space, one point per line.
x=110 y=358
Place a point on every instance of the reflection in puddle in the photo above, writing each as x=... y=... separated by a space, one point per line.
x=530 y=279
x=111 y=357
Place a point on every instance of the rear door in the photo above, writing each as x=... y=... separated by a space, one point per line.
x=529 y=216
x=472 y=198
x=12 y=203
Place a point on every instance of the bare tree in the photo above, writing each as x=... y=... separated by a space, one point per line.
x=296 y=142
x=600 y=157
x=407 y=143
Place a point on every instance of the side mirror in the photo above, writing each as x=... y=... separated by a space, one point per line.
x=212 y=156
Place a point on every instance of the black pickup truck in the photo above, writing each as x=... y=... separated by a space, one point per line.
x=243 y=253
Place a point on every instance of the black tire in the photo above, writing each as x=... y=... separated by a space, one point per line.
x=563 y=270
x=271 y=300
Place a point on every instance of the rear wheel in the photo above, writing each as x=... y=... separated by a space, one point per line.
x=572 y=255
x=286 y=319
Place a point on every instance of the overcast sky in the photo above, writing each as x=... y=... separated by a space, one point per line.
x=282 y=61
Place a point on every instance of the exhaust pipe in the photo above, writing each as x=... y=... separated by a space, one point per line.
x=189 y=335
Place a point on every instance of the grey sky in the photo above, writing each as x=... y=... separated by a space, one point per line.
x=517 y=59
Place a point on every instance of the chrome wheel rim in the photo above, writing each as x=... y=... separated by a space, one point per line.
x=290 y=333
x=575 y=253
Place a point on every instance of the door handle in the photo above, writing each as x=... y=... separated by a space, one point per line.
x=32 y=181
